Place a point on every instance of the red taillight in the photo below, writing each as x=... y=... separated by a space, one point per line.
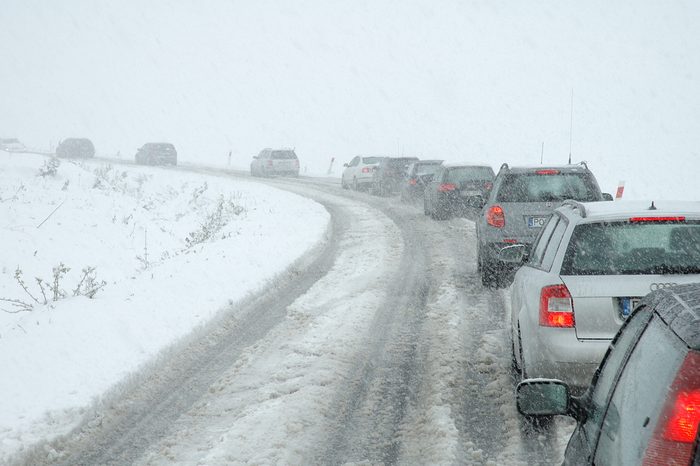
x=677 y=427
x=413 y=182
x=495 y=217
x=365 y=169
x=548 y=171
x=488 y=185
x=445 y=187
x=657 y=219
x=556 y=307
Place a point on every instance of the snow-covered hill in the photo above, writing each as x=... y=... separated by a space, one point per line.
x=172 y=248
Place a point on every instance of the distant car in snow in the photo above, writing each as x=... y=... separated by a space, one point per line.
x=456 y=188
x=590 y=266
x=358 y=172
x=156 y=153
x=271 y=162
x=12 y=145
x=75 y=147
x=643 y=406
x=418 y=175
x=389 y=175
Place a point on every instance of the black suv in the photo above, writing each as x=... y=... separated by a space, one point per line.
x=643 y=406
x=75 y=147
x=156 y=153
x=520 y=203
x=389 y=174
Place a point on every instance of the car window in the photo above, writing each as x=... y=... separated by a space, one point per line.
x=554 y=244
x=459 y=174
x=633 y=248
x=531 y=187
x=283 y=155
x=354 y=162
x=426 y=168
x=607 y=374
x=639 y=396
x=540 y=244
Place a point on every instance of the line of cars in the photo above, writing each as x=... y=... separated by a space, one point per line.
x=149 y=154
x=578 y=266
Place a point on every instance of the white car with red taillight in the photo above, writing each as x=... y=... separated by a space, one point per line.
x=589 y=267
x=643 y=406
x=358 y=172
x=271 y=162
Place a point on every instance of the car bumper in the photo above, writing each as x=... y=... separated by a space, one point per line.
x=558 y=354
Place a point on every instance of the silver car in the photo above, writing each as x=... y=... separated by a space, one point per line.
x=590 y=266
x=520 y=203
x=271 y=162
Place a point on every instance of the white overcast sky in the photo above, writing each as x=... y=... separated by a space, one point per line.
x=464 y=80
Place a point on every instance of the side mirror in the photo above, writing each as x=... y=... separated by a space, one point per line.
x=255 y=157
x=345 y=165
x=542 y=397
x=607 y=197
x=515 y=254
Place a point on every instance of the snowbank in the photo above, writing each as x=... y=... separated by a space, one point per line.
x=172 y=249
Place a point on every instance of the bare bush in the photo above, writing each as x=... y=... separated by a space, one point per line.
x=50 y=167
x=225 y=210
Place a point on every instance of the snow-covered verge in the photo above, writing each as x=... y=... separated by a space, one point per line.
x=162 y=252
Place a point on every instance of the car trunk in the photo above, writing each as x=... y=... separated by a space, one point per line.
x=601 y=301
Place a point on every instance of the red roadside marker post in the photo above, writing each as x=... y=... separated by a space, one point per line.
x=620 y=190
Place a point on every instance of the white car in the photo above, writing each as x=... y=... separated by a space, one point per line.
x=587 y=270
x=270 y=162
x=358 y=172
x=12 y=145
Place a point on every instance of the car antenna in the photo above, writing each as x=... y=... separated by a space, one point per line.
x=571 y=127
x=652 y=207
x=542 y=154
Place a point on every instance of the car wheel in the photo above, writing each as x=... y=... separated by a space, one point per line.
x=343 y=184
x=425 y=206
x=487 y=270
x=355 y=186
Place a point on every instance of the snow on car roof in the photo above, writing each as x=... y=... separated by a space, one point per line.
x=598 y=210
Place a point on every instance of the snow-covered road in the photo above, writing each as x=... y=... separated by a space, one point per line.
x=386 y=350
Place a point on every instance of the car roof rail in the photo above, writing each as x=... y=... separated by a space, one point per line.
x=585 y=165
x=505 y=166
x=576 y=205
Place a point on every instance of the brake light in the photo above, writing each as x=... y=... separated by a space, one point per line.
x=657 y=219
x=413 y=182
x=488 y=185
x=556 y=307
x=547 y=171
x=677 y=427
x=445 y=187
x=495 y=217
x=365 y=169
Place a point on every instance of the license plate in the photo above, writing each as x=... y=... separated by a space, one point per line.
x=627 y=305
x=536 y=222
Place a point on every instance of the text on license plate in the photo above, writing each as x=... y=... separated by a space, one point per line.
x=627 y=305
x=536 y=222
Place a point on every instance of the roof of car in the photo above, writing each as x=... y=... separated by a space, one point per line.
x=466 y=164
x=613 y=209
x=679 y=307
x=573 y=168
x=428 y=162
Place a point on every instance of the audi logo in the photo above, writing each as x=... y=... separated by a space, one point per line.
x=661 y=286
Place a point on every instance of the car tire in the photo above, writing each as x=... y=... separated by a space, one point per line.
x=343 y=184
x=487 y=270
x=425 y=207
x=355 y=186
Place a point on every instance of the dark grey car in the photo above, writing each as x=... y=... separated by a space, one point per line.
x=643 y=406
x=156 y=153
x=455 y=189
x=520 y=203
x=418 y=175
x=75 y=147
x=389 y=174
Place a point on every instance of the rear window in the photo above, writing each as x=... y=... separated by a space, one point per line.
x=531 y=187
x=459 y=174
x=371 y=160
x=283 y=154
x=626 y=248
x=427 y=168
